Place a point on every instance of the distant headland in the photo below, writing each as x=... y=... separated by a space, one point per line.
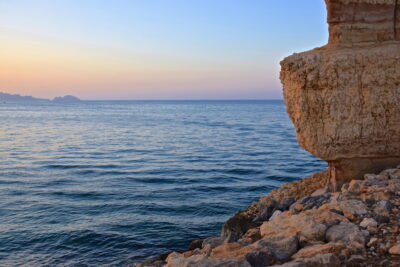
x=19 y=98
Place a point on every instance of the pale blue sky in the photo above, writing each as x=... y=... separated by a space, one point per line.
x=155 y=49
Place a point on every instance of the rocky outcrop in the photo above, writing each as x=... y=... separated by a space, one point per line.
x=344 y=98
x=347 y=228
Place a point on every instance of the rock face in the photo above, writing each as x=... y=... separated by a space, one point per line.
x=344 y=98
x=363 y=21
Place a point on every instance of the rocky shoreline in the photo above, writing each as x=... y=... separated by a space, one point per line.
x=301 y=224
x=343 y=99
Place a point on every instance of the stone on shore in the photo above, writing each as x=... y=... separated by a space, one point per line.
x=203 y=261
x=311 y=251
x=281 y=247
x=345 y=232
x=288 y=226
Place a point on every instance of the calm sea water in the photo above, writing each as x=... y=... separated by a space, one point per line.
x=112 y=183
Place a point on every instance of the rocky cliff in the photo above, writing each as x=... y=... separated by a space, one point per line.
x=344 y=98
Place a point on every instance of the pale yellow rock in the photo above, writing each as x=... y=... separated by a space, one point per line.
x=288 y=226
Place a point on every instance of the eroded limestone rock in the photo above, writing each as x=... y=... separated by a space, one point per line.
x=344 y=98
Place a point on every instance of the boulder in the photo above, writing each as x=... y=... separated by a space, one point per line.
x=281 y=247
x=345 y=232
x=259 y=259
x=288 y=226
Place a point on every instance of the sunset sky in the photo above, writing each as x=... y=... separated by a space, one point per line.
x=153 y=49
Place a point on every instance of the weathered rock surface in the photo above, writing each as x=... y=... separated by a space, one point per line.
x=363 y=21
x=281 y=247
x=287 y=226
x=344 y=98
x=345 y=232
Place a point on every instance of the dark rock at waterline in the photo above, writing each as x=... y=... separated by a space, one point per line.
x=157 y=261
x=198 y=243
x=259 y=259
x=238 y=225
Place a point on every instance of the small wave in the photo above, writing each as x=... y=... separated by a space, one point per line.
x=83 y=195
x=244 y=171
x=78 y=166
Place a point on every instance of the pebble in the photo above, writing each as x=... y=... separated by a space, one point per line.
x=368 y=222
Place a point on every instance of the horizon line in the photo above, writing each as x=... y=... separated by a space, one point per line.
x=121 y=100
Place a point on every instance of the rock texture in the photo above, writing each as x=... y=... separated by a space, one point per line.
x=344 y=98
x=363 y=21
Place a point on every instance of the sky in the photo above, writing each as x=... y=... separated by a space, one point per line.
x=153 y=49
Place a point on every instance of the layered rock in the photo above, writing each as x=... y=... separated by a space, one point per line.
x=363 y=21
x=344 y=98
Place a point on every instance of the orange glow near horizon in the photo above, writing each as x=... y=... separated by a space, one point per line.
x=47 y=68
x=153 y=49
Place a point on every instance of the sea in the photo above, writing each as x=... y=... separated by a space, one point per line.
x=111 y=183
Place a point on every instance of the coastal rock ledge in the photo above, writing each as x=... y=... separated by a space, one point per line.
x=356 y=226
x=344 y=100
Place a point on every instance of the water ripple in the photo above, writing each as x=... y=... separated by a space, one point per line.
x=112 y=183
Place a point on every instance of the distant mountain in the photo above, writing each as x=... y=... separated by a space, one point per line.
x=66 y=99
x=4 y=97
x=19 y=98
